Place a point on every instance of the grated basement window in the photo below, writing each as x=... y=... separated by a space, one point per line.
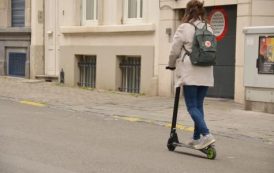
x=16 y=64
x=87 y=68
x=131 y=70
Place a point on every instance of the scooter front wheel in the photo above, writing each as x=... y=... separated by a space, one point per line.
x=170 y=145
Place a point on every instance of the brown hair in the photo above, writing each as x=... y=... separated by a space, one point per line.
x=194 y=10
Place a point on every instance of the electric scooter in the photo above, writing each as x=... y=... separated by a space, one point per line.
x=173 y=140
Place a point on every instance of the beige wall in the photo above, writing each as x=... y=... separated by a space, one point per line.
x=109 y=39
x=37 y=39
x=107 y=46
x=107 y=68
x=4 y=13
x=112 y=12
x=27 y=13
x=69 y=12
x=167 y=20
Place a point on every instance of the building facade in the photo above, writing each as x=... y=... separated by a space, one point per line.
x=21 y=38
x=15 y=38
x=123 y=45
x=105 y=44
x=229 y=18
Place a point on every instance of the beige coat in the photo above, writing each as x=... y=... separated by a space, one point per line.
x=186 y=73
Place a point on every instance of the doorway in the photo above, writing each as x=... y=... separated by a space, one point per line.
x=224 y=70
x=51 y=37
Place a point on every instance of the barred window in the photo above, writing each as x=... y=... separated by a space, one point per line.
x=130 y=74
x=87 y=69
x=18 y=13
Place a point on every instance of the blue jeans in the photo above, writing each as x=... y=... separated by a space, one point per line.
x=194 y=99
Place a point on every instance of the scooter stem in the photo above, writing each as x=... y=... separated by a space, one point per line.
x=175 y=109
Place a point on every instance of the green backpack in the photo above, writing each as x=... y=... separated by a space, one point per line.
x=204 y=47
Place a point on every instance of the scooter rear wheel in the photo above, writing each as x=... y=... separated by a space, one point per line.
x=211 y=153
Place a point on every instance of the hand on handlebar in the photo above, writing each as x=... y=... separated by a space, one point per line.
x=170 y=68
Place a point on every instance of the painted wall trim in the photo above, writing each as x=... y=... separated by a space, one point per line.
x=259 y=30
x=108 y=28
x=179 y=4
x=15 y=30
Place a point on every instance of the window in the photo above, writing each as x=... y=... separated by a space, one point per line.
x=134 y=10
x=18 y=13
x=16 y=62
x=90 y=12
x=130 y=67
x=87 y=69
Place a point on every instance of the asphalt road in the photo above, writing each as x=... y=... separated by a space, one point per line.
x=47 y=140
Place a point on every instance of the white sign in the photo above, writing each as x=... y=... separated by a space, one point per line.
x=218 y=21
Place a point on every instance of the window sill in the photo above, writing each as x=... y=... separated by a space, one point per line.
x=15 y=30
x=108 y=29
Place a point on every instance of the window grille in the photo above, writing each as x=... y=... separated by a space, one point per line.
x=87 y=68
x=18 y=13
x=131 y=74
x=16 y=66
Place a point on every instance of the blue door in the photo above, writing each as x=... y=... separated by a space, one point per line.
x=17 y=63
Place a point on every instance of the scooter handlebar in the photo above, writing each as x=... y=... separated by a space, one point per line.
x=170 y=68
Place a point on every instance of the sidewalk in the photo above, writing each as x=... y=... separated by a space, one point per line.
x=224 y=117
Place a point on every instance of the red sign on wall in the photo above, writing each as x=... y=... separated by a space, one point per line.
x=219 y=21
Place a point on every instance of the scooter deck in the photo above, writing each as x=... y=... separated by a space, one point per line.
x=190 y=146
x=183 y=145
x=208 y=150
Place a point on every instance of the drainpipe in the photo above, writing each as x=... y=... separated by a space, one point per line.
x=44 y=42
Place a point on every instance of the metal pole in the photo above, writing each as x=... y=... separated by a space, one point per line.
x=175 y=109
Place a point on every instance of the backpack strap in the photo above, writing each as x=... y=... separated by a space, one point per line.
x=191 y=23
x=187 y=52
x=205 y=26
